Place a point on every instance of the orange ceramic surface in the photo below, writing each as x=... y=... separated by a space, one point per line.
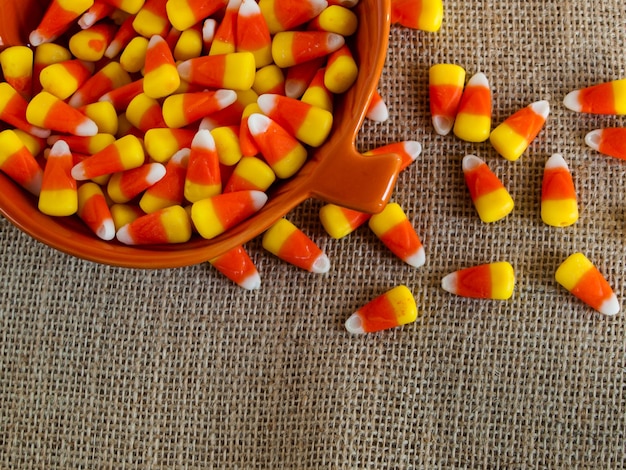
x=335 y=172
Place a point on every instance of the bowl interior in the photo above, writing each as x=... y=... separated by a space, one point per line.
x=70 y=235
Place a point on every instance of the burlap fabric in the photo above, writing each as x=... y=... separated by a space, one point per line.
x=119 y=368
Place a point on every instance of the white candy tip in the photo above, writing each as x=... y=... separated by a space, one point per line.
x=87 y=20
x=478 y=79
x=87 y=128
x=203 y=140
x=413 y=149
x=107 y=230
x=59 y=148
x=156 y=172
x=36 y=38
x=124 y=236
x=248 y=9
x=542 y=108
x=184 y=70
x=471 y=162
x=180 y=156
x=258 y=123
x=572 y=101
x=321 y=265
x=379 y=112
x=610 y=306
x=354 y=324
x=449 y=282
x=442 y=124
x=252 y=282
x=556 y=161
x=593 y=139
x=417 y=259
x=294 y=88
x=225 y=97
x=77 y=100
x=78 y=172
x=259 y=198
x=267 y=102
x=335 y=41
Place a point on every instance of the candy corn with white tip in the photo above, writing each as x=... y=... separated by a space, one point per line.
x=215 y=215
x=283 y=153
x=583 y=279
x=160 y=73
x=309 y=124
x=123 y=95
x=203 y=178
x=394 y=229
x=108 y=78
x=122 y=38
x=292 y=245
x=87 y=145
x=253 y=34
x=234 y=71
x=47 y=54
x=298 y=77
x=123 y=154
x=423 y=15
x=126 y=185
x=288 y=15
x=250 y=173
x=224 y=38
x=17 y=68
x=485 y=281
x=18 y=162
x=512 y=137
x=94 y=211
x=603 y=98
x=295 y=47
x=169 y=225
x=340 y=221
x=162 y=144
x=64 y=78
x=559 y=205
x=341 y=70
x=151 y=20
x=59 y=194
x=47 y=111
x=316 y=94
x=445 y=88
x=57 y=19
x=407 y=150
x=98 y=11
x=145 y=113
x=394 y=308
x=183 y=14
x=491 y=199
x=13 y=108
x=184 y=108
x=377 y=108
x=237 y=266
x=169 y=190
x=104 y=115
x=610 y=141
x=473 y=118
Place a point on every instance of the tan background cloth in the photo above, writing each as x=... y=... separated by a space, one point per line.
x=121 y=368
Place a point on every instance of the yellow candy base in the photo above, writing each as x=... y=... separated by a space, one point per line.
x=494 y=206
x=571 y=271
x=559 y=212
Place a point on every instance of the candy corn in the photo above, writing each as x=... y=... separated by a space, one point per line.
x=316 y=94
x=169 y=190
x=485 y=281
x=62 y=79
x=288 y=15
x=583 y=279
x=162 y=143
x=335 y=19
x=151 y=19
x=133 y=57
x=47 y=111
x=395 y=307
x=235 y=71
x=13 y=111
x=57 y=19
x=340 y=221
x=104 y=115
x=203 y=172
x=559 y=206
x=185 y=108
x=250 y=173
x=85 y=145
x=513 y=136
x=237 y=266
x=169 y=225
x=289 y=243
x=377 y=108
x=91 y=44
x=125 y=185
x=189 y=45
x=446 y=82
x=269 y=79
x=394 y=229
x=108 y=78
x=424 y=15
x=183 y=14
x=298 y=77
x=341 y=70
x=17 y=68
x=122 y=37
x=47 y=54
x=309 y=124
x=491 y=200
x=252 y=33
x=98 y=11
x=295 y=47
x=283 y=153
x=145 y=113
x=18 y=162
x=224 y=38
x=122 y=96
x=123 y=214
x=603 y=98
x=123 y=154
x=160 y=74
x=610 y=141
x=215 y=215
x=473 y=119
x=58 y=195
x=94 y=211
x=407 y=150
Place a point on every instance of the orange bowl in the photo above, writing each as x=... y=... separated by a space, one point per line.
x=335 y=172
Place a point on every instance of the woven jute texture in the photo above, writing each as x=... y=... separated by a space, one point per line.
x=103 y=367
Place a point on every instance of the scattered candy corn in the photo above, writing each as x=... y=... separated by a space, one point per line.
x=491 y=200
x=583 y=279
x=486 y=281
x=59 y=194
x=610 y=141
x=424 y=15
x=445 y=88
x=94 y=211
x=395 y=307
x=559 y=206
x=603 y=98
x=473 y=118
x=237 y=266
x=169 y=225
x=18 y=162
